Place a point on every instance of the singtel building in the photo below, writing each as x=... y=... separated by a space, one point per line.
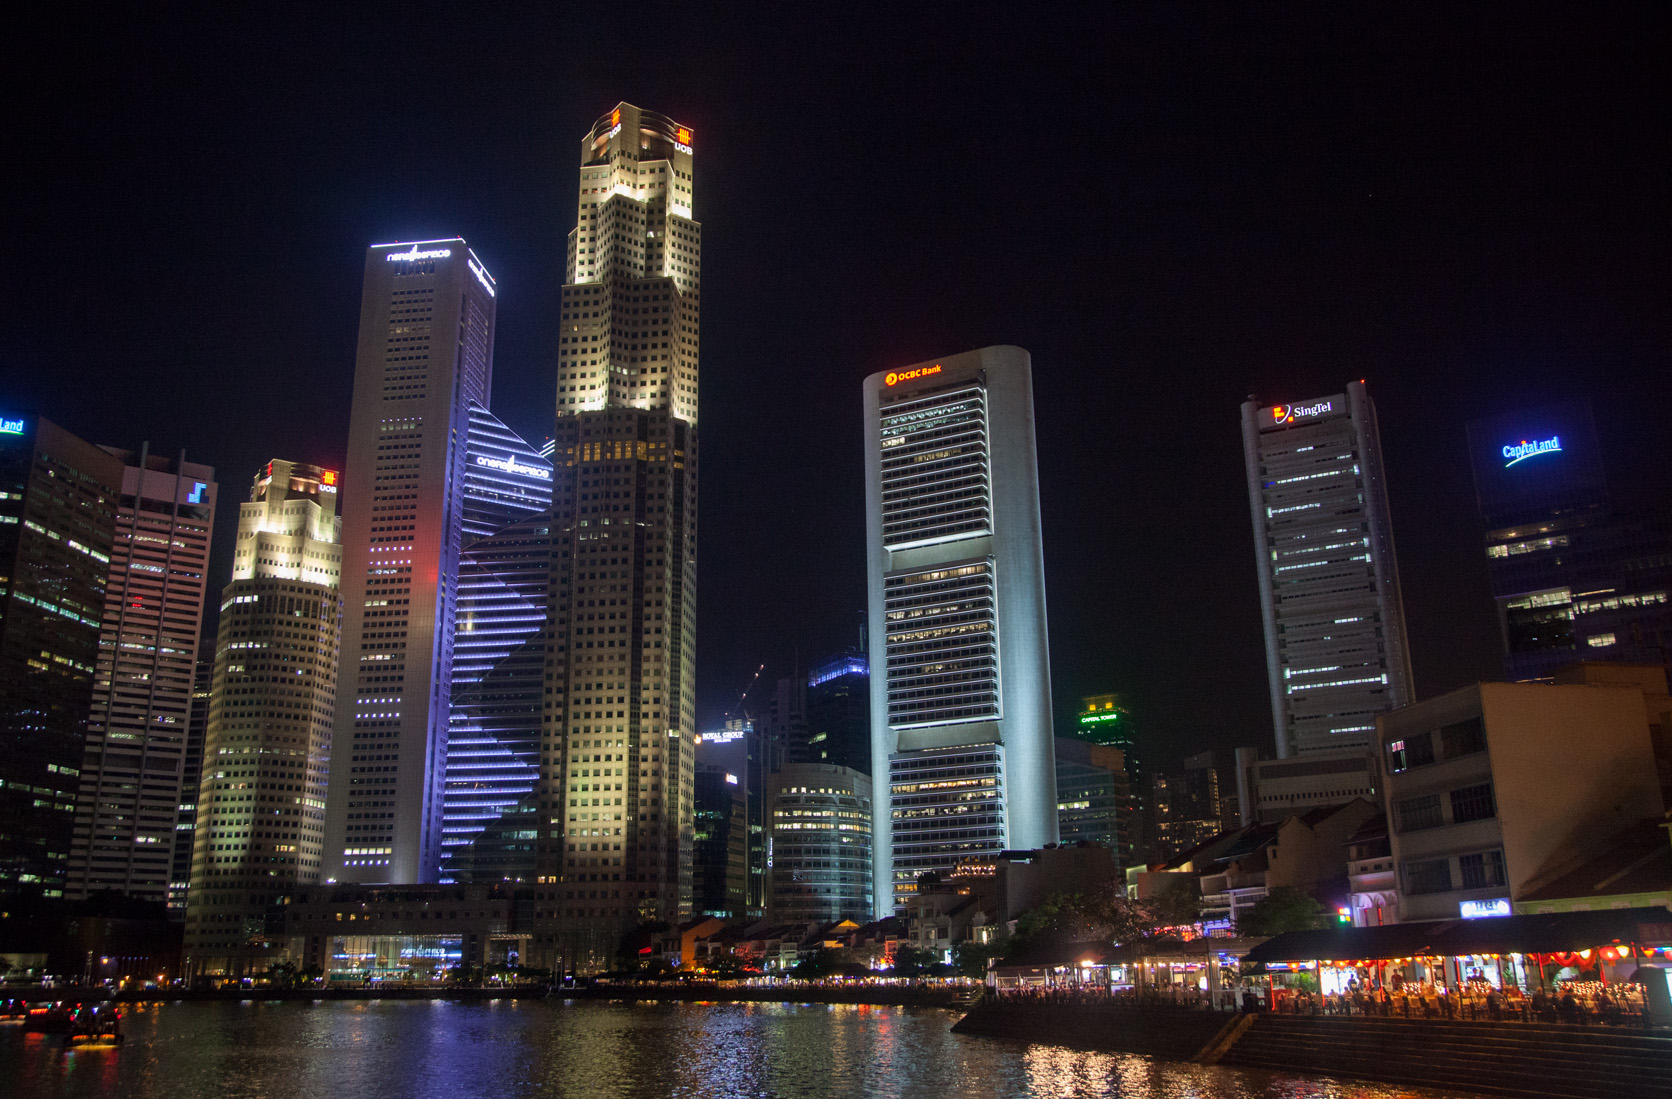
x=1329 y=587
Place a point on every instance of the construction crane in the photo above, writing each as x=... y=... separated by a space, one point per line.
x=747 y=687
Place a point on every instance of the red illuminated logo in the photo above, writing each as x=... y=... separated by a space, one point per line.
x=615 y=117
x=1281 y=414
x=329 y=477
x=684 y=136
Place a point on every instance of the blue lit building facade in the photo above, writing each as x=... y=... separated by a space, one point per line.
x=493 y=740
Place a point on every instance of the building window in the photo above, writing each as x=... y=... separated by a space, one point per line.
x=1416 y=814
x=934 y=468
x=1428 y=876
x=1473 y=803
x=1463 y=738
x=942 y=645
x=1413 y=751
x=1482 y=870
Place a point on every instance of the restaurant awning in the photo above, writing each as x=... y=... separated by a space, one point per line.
x=1396 y=940
x=1541 y=934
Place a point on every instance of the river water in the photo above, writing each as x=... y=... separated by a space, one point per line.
x=514 y=1049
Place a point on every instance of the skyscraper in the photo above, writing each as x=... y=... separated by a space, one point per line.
x=1094 y=798
x=838 y=715
x=1574 y=577
x=191 y=776
x=819 y=820
x=720 y=844
x=425 y=354
x=58 y=499
x=499 y=654
x=1329 y=585
x=615 y=830
x=131 y=774
x=961 y=680
x=272 y=701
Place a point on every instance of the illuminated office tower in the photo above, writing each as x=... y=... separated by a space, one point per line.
x=616 y=830
x=58 y=498
x=1574 y=576
x=499 y=656
x=272 y=699
x=191 y=775
x=425 y=353
x=1329 y=585
x=962 y=754
x=135 y=762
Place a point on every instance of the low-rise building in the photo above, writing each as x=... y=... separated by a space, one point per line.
x=1271 y=789
x=399 y=932
x=1490 y=786
x=1374 y=886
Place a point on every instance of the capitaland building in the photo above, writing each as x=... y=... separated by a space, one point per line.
x=58 y=501
x=260 y=805
x=1574 y=577
x=133 y=772
x=614 y=843
x=1336 y=655
x=499 y=654
x=425 y=356
x=961 y=744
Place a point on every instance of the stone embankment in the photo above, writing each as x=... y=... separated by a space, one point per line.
x=1531 y=1060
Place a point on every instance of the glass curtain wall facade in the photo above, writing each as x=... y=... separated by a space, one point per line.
x=499 y=652
x=820 y=861
x=1336 y=655
x=615 y=832
x=960 y=690
x=134 y=767
x=272 y=701
x=58 y=499
x=425 y=356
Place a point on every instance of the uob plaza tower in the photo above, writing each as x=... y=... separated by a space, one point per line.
x=614 y=836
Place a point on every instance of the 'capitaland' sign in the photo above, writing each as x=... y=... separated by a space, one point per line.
x=1520 y=452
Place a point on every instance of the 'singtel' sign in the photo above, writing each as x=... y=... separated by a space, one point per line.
x=1520 y=452
x=1289 y=413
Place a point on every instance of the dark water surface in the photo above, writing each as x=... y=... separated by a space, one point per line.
x=512 y=1049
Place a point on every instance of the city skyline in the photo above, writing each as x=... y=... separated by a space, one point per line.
x=1332 y=247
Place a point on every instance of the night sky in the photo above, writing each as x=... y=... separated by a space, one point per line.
x=1172 y=207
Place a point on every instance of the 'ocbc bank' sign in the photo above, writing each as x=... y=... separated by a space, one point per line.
x=896 y=377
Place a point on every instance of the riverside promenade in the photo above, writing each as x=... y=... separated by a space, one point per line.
x=925 y=994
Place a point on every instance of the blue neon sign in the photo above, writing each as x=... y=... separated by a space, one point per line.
x=11 y=427
x=1520 y=452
